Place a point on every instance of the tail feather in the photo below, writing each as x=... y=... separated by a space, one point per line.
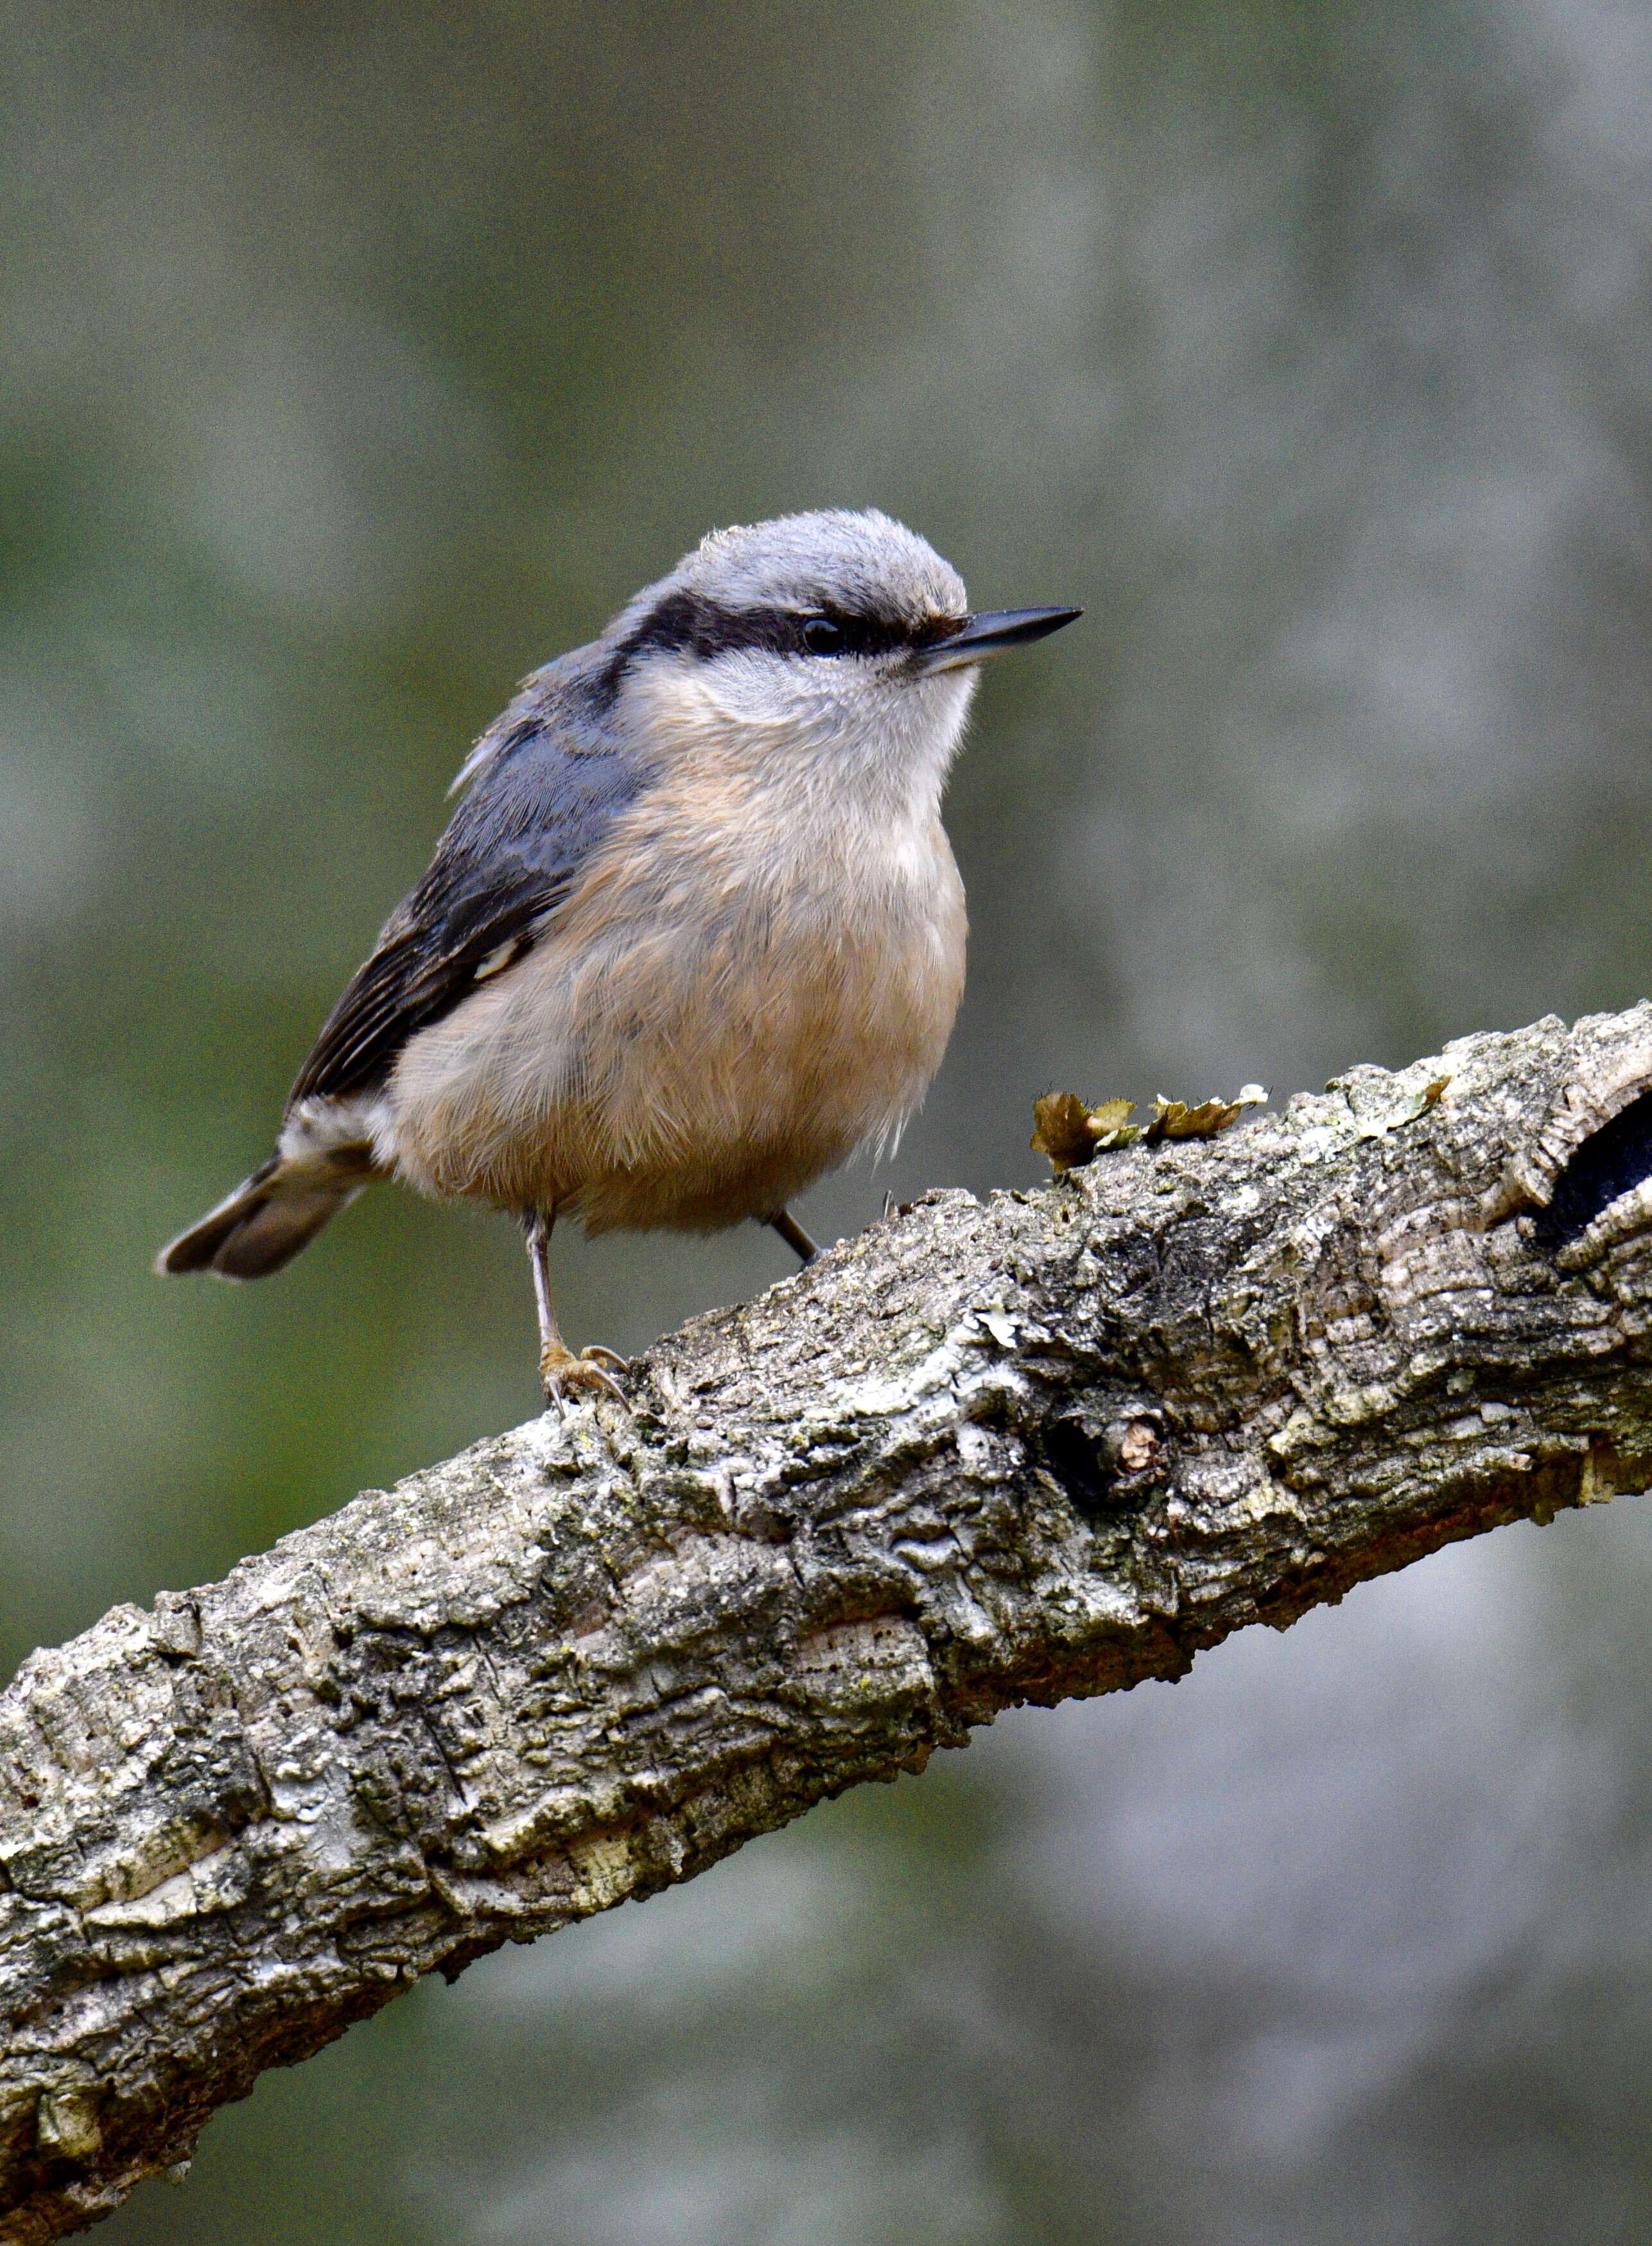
x=269 y=1218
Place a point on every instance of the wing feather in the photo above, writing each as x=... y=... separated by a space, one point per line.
x=540 y=803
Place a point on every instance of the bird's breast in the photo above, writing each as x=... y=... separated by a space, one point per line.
x=736 y=997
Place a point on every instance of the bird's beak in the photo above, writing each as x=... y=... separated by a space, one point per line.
x=992 y=633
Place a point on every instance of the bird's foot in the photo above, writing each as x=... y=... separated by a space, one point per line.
x=565 y=1377
x=598 y=1354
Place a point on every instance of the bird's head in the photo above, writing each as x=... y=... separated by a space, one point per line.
x=840 y=633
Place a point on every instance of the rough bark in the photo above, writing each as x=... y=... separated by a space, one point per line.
x=985 y=1454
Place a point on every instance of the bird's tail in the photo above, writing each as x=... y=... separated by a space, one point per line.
x=270 y=1216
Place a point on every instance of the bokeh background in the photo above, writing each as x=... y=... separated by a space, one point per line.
x=353 y=360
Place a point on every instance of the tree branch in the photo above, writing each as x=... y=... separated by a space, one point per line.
x=1043 y=1446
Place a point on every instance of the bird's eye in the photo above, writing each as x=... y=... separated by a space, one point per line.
x=822 y=636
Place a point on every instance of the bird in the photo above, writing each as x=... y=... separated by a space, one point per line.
x=693 y=936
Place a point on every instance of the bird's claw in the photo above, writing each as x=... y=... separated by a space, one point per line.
x=599 y=1353
x=564 y=1376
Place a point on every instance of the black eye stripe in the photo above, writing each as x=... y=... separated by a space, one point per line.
x=688 y=620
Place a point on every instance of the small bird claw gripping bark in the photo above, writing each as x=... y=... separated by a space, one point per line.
x=566 y=1377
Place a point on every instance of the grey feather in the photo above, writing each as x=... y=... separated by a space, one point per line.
x=541 y=799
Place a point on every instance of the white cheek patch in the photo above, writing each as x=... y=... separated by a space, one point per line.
x=849 y=725
x=679 y=700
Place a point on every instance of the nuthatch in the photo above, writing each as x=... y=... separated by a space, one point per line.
x=694 y=935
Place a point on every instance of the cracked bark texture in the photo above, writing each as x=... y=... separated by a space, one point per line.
x=985 y=1454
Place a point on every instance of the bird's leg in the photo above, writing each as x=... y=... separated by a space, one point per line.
x=561 y=1371
x=794 y=1237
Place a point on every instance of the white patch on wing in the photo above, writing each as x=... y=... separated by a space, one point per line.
x=500 y=959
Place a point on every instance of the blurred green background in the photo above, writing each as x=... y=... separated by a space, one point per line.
x=355 y=359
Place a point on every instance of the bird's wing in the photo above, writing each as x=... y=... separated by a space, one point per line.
x=543 y=799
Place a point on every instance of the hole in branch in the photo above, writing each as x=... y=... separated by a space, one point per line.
x=1105 y=1461
x=1609 y=1163
x=1071 y=1452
